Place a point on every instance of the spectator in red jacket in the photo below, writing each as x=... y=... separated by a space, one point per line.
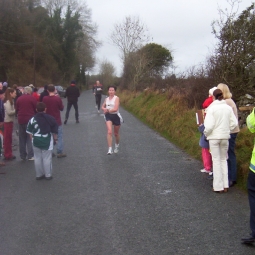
x=209 y=99
x=36 y=95
x=54 y=106
x=26 y=109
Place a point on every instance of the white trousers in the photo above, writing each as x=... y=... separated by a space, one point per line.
x=43 y=162
x=219 y=150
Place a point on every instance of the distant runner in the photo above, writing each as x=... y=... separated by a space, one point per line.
x=97 y=90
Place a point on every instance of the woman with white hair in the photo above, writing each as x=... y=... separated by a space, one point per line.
x=219 y=120
x=232 y=168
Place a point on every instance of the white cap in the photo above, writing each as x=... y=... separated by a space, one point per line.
x=212 y=90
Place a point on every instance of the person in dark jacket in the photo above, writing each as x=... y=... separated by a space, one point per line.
x=44 y=93
x=43 y=130
x=72 y=94
x=97 y=91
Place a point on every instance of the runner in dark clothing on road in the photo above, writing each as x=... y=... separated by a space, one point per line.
x=72 y=94
x=97 y=90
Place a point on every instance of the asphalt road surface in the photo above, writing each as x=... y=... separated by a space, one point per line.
x=149 y=199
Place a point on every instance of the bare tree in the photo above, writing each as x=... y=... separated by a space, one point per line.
x=129 y=35
x=107 y=73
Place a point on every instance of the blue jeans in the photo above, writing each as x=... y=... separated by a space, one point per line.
x=60 y=140
x=232 y=170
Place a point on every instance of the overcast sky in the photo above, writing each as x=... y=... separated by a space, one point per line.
x=182 y=26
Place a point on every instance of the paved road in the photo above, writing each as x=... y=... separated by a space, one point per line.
x=150 y=199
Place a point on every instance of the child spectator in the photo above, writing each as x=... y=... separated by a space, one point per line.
x=209 y=99
x=43 y=130
x=206 y=155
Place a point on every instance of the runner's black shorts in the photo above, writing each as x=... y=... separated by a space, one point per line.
x=114 y=118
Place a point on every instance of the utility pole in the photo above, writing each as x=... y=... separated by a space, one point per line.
x=34 y=62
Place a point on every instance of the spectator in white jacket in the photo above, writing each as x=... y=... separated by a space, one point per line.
x=219 y=121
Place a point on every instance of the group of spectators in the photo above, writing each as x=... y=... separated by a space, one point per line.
x=39 y=124
x=219 y=132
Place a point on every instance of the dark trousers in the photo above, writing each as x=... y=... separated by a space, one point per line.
x=25 y=143
x=232 y=170
x=251 y=196
x=69 y=106
x=98 y=100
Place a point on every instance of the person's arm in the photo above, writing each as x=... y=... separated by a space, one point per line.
x=209 y=123
x=104 y=109
x=60 y=105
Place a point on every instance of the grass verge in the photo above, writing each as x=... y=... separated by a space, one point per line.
x=173 y=120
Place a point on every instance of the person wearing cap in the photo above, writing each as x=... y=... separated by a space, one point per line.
x=232 y=165
x=206 y=155
x=26 y=109
x=44 y=93
x=219 y=121
x=72 y=94
x=31 y=86
x=5 y=85
x=209 y=99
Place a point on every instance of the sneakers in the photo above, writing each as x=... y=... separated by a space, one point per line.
x=205 y=171
x=65 y=122
x=40 y=177
x=61 y=155
x=116 y=150
x=109 y=151
x=49 y=178
x=31 y=159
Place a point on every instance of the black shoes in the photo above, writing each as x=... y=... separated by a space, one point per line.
x=231 y=183
x=48 y=178
x=248 y=240
x=65 y=122
x=77 y=121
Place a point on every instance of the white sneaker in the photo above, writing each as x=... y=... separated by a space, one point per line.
x=31 y=159
x=98 y=111
x=211 y=173
x=205 y=171
x=110 y=151
x=116 y=150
